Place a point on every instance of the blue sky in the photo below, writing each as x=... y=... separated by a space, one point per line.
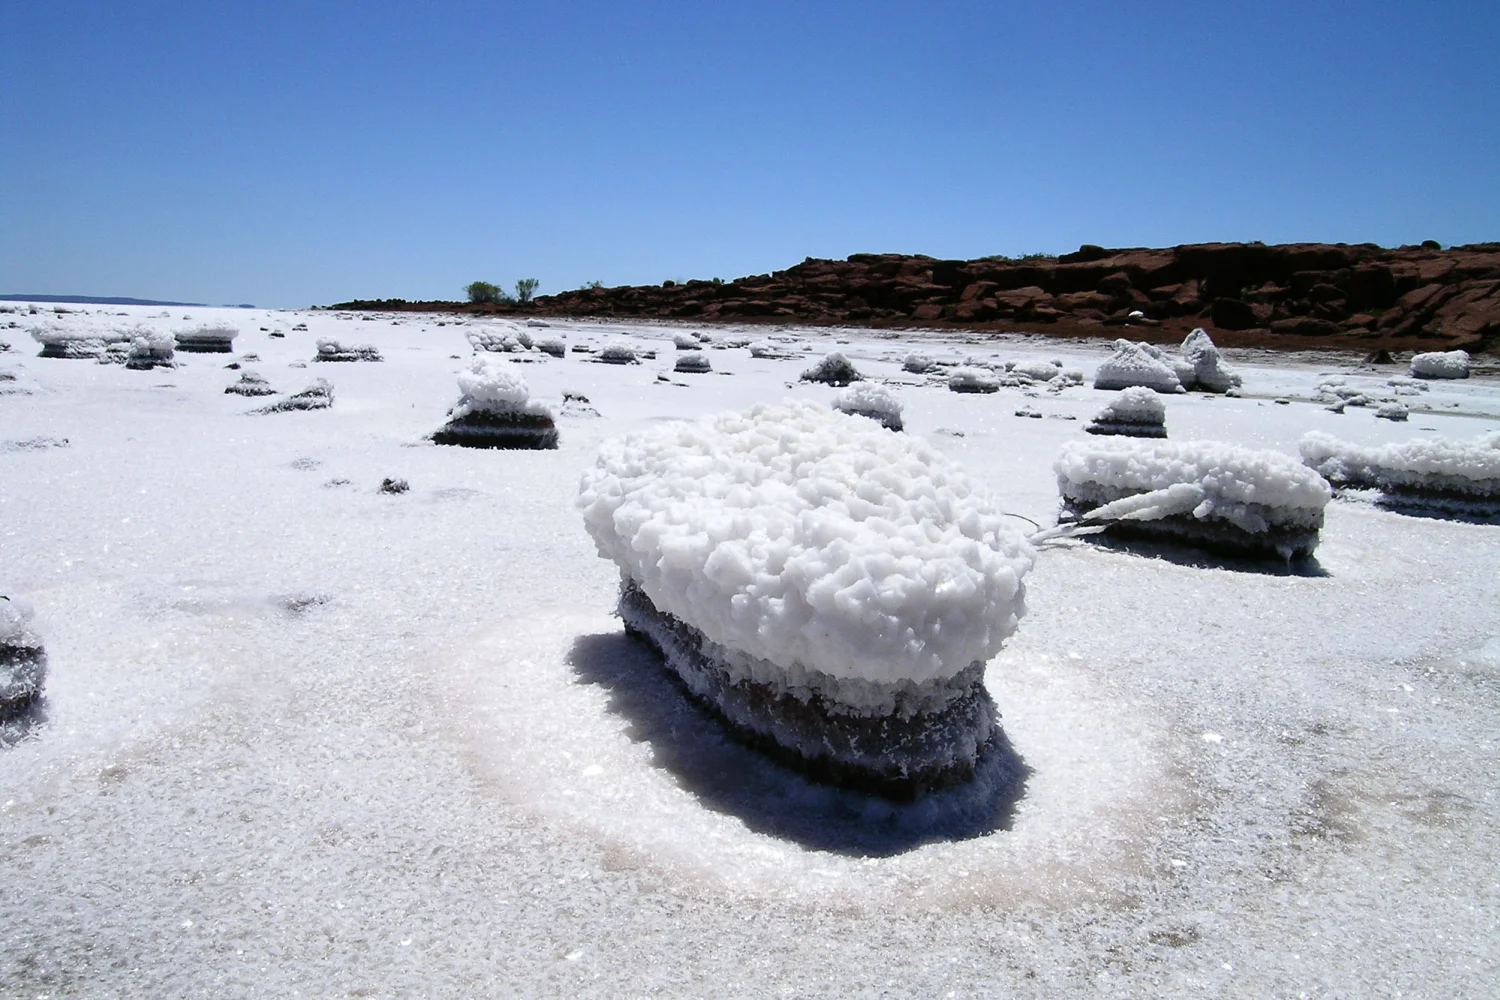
x=292 y=154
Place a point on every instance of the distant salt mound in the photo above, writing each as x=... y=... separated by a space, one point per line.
x=330 y=349
x=1393 y=411
x=208 y=339
x=1209 y=373
x=1136 y=365
x=769 y=350
x=495 y=411
x=23 y=661
x=617 y=354
x=499 y=337
x=1423 y=475
x=318 y=396
x=68 y=342
x=973 y=380
x=831 y=589
x=1440 y=364
x=1135 y=412
x=834 y=369
x=250 y=384
x=1036 y=371
x=872 y=400
x=693 y=362
x=151 y=349
x=686 y=342
x=553 y=346
x=1205 y=493
x=918 y=363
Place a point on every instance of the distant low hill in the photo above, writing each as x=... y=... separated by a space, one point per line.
x=112 y=300
x=1298 y=296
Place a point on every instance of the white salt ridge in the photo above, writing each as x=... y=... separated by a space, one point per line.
x=1136 y=364
x=798 y=536
x=1440 y=364
x=1247 y=488
x=1209 y=372
x=1436 y=464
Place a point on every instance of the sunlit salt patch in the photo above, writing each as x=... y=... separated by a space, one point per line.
x=872 y=400
x=562 y=714
x=495 y=411
x=1206 y=493
x=1135 y=364
x=1461 y=476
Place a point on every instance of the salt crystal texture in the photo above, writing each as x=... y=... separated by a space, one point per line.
x=1136 y=364
x=1135 y=412
x=806 y=573
x=1206 y=493
x=1209 y=371
x=1440 y=364
x=496 y=411
x=973 y=380
x=1462 y=475
x=22 y=659
x=872 y=400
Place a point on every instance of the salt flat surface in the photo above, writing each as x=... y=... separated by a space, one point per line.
x=304 y=738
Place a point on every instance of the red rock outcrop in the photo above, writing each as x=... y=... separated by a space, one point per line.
x=1299 y=295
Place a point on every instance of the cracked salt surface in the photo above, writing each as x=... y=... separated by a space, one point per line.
x=321 y=741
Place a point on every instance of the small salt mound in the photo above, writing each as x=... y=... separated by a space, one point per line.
x=553 y=346
x=834 y=369
x=973 y=380
x=829 y=589
x=151 y=349
x=919 y=364
x=617 y=354
x=1135 y=412
x=495 y=411
x=1440 y=364
x=331 y=350
x=1209 y=371
x=23 y=661
x=1393 y=411
x=499 y=337
x=66 y=342
x=872 y=400
x=1431 y=467
x=1036 y=371
x=1206 y=493
x=207 y=339
x=695 y=362
x=318 y=396
x=250 y=384
x=1136 y=364
x=686 y=342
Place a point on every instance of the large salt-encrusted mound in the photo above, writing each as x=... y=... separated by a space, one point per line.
x=872 y=400
x=1460 y=475
x=22 y=659
x=1136 y=364
x=150 y=349
x=1135 y=412
x=1207 y=493
x=207 y=339
x=498 y=336
x=1440 y=364
x=973 y=380
x=834 y=369
x=693 y=362
x=496 y=411
x=1209 y=371
x=67 y=342
x=829 y=589
x=815 y=542
x=617 y=354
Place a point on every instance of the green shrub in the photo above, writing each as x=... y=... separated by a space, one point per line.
x=525 y=289
x=482 y=291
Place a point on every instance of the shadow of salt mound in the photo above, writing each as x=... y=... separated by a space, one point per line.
x=1194 y=557
x=728 y=777
x=23 y=723
x=1430 y=505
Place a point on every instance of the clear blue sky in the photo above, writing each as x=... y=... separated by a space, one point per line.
x=300 y=153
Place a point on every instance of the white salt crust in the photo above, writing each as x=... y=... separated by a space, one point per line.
x=1250 y=489
x=1209 y=371
x=1137 y=405
x=797 y=536
x=868 y=398
x=1440 y=364
x=972 y=380
x=1136 y=364
x=488 y=387
x=1421 y=464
